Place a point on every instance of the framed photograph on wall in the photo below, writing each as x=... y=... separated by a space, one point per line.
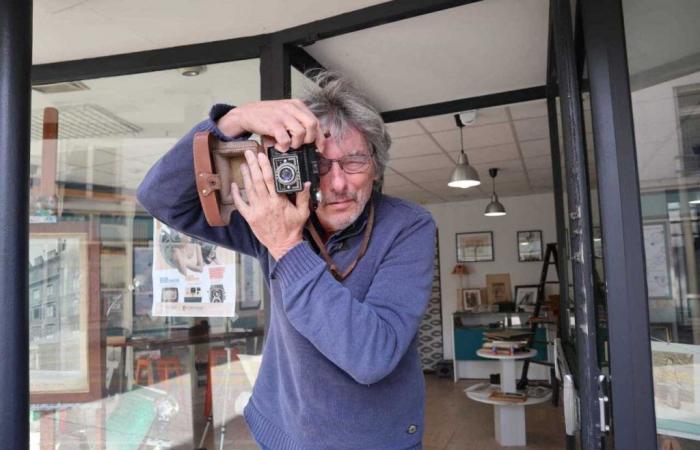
x=471 y=299
x=475 y=246
x=65 y=350
x=499 y=289
x=530 y=245
x=525 y=295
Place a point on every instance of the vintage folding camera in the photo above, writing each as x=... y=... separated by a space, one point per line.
x=217 y=165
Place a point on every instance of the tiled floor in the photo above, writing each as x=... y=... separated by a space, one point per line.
x=453 y=422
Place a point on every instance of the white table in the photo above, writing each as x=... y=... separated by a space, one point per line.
x=509 y=418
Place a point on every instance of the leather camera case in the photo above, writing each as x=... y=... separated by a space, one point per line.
x=216 y=166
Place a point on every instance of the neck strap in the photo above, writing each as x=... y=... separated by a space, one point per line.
x=363 y=247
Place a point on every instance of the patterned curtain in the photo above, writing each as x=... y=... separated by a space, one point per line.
x=430 y=332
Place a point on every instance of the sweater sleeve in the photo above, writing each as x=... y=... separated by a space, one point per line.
x=169 y=193
x=366 y=339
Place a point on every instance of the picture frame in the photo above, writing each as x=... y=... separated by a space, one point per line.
x=526 y=295
x=474 y=246
x=499 y=288
x=471 y=299
x=65 y=271
x=530 y=245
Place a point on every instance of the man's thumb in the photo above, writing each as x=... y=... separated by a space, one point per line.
x=303 y=197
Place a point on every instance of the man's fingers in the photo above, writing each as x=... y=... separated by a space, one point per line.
x=248 y=184
x=238 y=201
x=282 y=138
x=256 y=175
x=302 y=200
x=296 y=131
x=267 y=174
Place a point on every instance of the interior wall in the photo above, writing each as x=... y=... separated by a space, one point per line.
x=531 y=212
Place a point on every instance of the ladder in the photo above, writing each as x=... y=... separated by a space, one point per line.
x=550 y=258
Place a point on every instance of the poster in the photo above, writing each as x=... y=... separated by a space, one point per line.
x=191 y=278
x=658 y=282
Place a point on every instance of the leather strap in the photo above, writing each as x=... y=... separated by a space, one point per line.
x=363 y=247
x=216 y=166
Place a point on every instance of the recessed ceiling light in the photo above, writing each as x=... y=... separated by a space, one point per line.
x=192 y=71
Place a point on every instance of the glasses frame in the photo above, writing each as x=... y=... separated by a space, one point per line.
x=342 y=161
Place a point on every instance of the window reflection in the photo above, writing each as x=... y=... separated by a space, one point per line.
x=136 y=380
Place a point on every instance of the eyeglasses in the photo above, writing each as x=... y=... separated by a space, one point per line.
x=349 y=164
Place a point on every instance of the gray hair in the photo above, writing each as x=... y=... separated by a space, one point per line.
x=340 y=106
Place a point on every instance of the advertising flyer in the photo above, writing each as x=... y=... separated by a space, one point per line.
x=191 y=278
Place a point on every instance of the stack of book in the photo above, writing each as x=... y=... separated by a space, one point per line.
x=506 y=342
x=510 y=397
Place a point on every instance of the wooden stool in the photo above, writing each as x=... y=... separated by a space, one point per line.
x=143 y=367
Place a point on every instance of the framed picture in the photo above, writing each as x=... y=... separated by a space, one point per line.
x=499 y=289
x=530 y=245
x=525 y=295
x=65 y=351
x=471 y=299
x=475 y=247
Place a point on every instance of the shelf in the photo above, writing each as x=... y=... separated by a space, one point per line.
x=480 y=393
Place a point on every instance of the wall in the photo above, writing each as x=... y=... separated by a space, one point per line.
x=531 y=212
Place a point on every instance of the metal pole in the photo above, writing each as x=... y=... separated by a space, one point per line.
x=621 y=219
x=275 y=84
x=579 y=225
x=15 y=104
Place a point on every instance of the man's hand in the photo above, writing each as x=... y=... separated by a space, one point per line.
x=289 y=123
x=276 y=222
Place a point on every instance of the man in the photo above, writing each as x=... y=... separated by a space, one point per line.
x=340 y=367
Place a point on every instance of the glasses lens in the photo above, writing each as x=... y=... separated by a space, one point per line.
x=324 y=165
x=355 y=164
x=349 y=164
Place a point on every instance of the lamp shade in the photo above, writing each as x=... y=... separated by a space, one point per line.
x=495 y=208
x=464 y=176
x=460 y=269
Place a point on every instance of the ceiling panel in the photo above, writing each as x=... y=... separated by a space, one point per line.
x=485 y=155
x=538 y=147
x=484 y=116
x=538 y=162
x=530 y=129
x=527 y=110
x=404 y=128
x=413 y=146
x=475 y=137
x=438 y=161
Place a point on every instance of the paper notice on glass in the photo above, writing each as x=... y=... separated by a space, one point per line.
x=191 y=278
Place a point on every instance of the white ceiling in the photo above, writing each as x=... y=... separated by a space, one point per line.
x=482 y=48
x=78 y=29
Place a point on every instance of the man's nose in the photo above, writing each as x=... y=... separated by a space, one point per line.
x=338 y=181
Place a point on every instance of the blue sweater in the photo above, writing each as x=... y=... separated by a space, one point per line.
x=340 y=366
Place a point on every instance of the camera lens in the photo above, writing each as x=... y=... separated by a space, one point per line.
x=286 y=174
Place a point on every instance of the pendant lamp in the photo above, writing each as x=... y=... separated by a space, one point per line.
x=495 y=208
x=464 y=176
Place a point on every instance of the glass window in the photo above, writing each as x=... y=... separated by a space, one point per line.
x=107 y=369
x=663 y=46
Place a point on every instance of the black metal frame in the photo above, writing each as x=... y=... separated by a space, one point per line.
x=15 y=66
x=621 y=220
x=282 y=50
x=493 y=249
x=517 y=241
x=579 y=223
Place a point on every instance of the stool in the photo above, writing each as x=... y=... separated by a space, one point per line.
x=167 y=368
x=167 y=365
x=216 y=356
x=143 y=367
